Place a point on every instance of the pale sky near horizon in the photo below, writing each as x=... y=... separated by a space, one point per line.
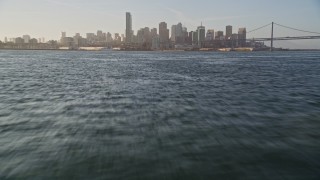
x=47 y=18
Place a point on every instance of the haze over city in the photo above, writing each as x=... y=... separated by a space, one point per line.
x=48 y=18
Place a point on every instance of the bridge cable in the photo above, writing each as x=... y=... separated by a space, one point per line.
x=259 y=28
x=297 y=29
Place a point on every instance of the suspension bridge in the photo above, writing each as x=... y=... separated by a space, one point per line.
x=315 y=35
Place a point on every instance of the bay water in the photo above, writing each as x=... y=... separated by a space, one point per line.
x=159 y=115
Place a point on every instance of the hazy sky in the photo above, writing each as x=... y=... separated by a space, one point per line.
x=47 y=18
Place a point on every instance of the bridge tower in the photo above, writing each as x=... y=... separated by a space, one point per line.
x=271 y=46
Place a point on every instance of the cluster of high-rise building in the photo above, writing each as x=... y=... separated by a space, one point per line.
x=161 y=38
x=181 y=38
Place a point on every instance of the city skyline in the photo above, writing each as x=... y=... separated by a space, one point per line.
x=150 y=15
x=145 y=39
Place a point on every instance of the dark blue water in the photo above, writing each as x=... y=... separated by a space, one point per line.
x=153 y=115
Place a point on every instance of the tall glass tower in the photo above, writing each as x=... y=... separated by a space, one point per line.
x=228 y=32
x=128 y=27
x=201 y=35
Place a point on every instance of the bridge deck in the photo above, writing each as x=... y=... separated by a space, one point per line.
x=285 y=38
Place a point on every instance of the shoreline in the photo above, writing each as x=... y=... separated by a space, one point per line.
x=79 y=50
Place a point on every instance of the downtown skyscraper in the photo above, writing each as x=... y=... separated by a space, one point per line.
x=128 y=28
x=242 y=36
x=228 y=32
x=164 y=35
x=201 y=35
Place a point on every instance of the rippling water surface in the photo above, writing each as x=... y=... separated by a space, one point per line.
x=152 y=115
